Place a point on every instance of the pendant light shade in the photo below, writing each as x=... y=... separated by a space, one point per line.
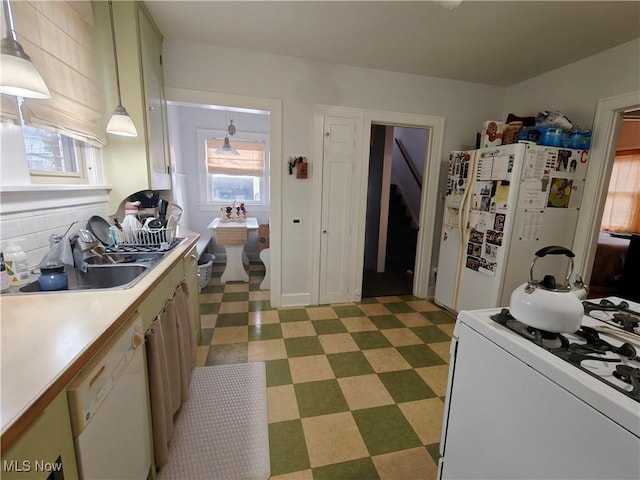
x=120 y=122
x=226 y=148
x=18 y=76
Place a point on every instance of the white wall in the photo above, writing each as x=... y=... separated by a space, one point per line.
x=302 y=84
x=575 y=89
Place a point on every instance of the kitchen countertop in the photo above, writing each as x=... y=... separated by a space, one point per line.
x=47 y=338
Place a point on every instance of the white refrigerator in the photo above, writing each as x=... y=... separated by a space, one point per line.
x=502 y=205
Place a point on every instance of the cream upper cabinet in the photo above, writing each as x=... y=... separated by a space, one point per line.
x=142 y=162
x=153 y=83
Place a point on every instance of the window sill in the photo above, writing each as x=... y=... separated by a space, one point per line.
x=51 y=188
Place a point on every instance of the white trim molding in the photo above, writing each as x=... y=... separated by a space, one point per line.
x=606 y=127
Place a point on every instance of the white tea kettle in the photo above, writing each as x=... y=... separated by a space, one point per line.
x=547 y=305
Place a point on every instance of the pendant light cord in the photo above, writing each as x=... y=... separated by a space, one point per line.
x=8 y=17
x=115 y=53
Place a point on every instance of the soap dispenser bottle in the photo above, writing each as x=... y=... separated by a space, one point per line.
x=4 y=278
x=17 y=265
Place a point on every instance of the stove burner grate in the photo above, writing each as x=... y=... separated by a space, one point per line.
x=619 y=315
x=594 y=348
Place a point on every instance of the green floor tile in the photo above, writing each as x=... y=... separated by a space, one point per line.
x=399 y=307
x=385 y=429
x=227 y=354
x=259 y=305
x=278 y=373
x=360 y=469
x=368 y=301
x=209 y=308
x=206 y=334
x=326 y=327
x=369 y=340
x=212 y=289
x=320 y=398
x=430 y=334
x=434 y=451
x=235 y=297
x=287 y=447
x=265 y=331
x=440 y=316
x=344 y=311
x=406 y=386
x=349 y=364
x=386 y=321
x=420 y=356
x=293 y=315
x=303 y=346
x=232 y=319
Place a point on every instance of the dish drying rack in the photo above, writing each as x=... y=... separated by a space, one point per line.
x=148 y=237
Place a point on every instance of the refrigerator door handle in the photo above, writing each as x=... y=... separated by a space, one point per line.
x=463 y=223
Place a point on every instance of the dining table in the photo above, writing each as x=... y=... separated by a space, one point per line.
x=233 y=234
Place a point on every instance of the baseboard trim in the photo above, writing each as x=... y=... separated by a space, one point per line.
x=295 y=300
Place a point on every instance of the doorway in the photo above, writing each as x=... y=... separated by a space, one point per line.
x=182 y=164
x=351 y=272
x=611 y=272
x=606 y=128
x=396 y=162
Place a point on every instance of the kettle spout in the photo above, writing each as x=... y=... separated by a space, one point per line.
x=579 y=289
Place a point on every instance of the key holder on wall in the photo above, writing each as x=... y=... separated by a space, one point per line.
x=301 y=164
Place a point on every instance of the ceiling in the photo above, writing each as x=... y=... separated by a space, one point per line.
x=497 y=43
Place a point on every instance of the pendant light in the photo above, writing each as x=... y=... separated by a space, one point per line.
x=18 y=76
x=120 y=123
x=226 y=148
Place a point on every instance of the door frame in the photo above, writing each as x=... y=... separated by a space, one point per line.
x=274 y=106
x=423 y=275
x=606 y=127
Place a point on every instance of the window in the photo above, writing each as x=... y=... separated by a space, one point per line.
x=241 y=178
x=622 y=208
x=49 y=151
x=62 y=135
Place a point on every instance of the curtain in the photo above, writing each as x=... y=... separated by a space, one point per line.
x=622 y=207
x=249 y=162
x=60 y=43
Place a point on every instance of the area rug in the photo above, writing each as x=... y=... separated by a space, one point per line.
x=222 y=432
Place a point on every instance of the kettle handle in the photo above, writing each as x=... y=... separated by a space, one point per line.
x=553 y=250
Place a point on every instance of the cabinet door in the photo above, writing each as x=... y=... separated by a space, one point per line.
x=45 y=448
x=151 y=55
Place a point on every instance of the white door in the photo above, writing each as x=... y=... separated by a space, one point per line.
x=337 y=172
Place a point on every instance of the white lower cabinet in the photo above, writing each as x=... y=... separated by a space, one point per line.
x=45 y=450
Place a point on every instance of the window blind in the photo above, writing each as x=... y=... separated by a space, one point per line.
x=59 y=41
x=250 y=161
x=622 y=208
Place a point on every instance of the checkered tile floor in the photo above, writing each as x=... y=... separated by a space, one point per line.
x=355 y=391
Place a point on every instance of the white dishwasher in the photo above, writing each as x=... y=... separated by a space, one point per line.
x=109 y=410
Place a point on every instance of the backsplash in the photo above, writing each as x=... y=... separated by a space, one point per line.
x=30 y=228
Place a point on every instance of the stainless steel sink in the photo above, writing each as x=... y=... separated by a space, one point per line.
x=121 y=276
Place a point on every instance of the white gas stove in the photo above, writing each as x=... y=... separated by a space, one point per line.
x=522 y=403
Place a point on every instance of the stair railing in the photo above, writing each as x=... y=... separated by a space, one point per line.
x=409 y=163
